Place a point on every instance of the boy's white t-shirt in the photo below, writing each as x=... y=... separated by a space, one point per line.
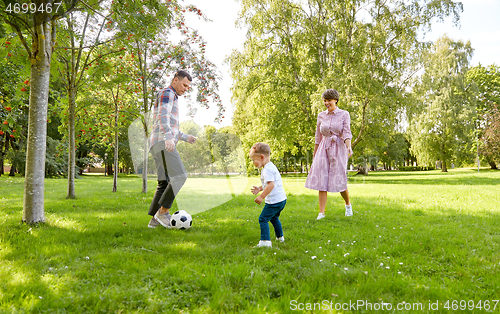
x=271 y=173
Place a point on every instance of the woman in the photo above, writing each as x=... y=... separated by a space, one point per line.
x=332 y=149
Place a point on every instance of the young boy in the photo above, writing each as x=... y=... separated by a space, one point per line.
x=272 y=192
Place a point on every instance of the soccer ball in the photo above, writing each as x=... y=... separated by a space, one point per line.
x=181 y=220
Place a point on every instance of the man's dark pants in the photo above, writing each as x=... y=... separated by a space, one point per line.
x=171 y=177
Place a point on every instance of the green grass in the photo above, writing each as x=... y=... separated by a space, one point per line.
x=436 y=234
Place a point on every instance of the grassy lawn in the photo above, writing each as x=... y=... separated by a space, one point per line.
x=423 y=238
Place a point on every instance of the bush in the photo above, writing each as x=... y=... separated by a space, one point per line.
x=417 y=168
x=56 y=164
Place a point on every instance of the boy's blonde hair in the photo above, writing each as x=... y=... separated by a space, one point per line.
x=261 y=148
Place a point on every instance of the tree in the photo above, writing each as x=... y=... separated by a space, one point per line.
x=396 y=151
x=81 y=33
x=442 y=130
x=487 y=80
x=156 y=55
x=111 y=96
x=40 y=27
x=367 y=50
x=13 y=88
x=490 y=138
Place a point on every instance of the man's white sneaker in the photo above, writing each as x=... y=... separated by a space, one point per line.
x=348 y=210
x=281 y=239
x=321 y=216
x=264 y=243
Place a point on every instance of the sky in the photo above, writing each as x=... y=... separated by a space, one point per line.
x=479 y=24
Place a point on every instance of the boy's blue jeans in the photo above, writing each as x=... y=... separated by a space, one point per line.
x=271 y=213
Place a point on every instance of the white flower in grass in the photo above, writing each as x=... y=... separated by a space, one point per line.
x=400 y=263
x=328 y=241
x=313 y=257
x=338 y=244
x=346 y=254
x=399 y=272
x=388 y=257
x=376 y=226
x=335 y=264
x=307 y=251
x=387 y=267
x=346 y=268
x=320 y=247
x=381 y=264
x=320 y=260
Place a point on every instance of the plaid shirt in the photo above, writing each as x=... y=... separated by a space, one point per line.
x=166 y=118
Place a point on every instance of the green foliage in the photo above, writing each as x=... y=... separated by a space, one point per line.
x=215 y=151
x=17 y=159
x=295 y=50
x=442 y=129
x=435 y=233
x=487 y=80
x=56 y=164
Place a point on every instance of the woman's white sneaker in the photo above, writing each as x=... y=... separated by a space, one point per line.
x=321 y=216
x=348 y=210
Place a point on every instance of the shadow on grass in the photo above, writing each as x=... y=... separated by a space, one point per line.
x=96 y=258
x=434 y=177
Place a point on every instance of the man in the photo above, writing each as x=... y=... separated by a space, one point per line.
x=164 y=136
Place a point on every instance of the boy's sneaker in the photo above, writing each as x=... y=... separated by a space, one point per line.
x=163 y=219
x=153 y=223
x=348 y=210
x=281 y=239
x=321 y=216
x=264 y=243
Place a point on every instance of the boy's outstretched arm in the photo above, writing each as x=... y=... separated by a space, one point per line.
x=256 y=189
x=267 y=190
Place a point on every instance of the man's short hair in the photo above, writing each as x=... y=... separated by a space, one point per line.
x=261 y=148
x=181 y=74
x=330 y=94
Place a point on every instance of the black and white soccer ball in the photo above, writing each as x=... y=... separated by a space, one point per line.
x=181 y=220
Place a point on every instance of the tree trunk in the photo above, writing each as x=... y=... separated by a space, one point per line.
x=5 y=147
x=443 y=166
x=71 y=144
x=145 y=166
x=363 y=170
x=493 y=165
x=42 y=44
x=115 y=173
